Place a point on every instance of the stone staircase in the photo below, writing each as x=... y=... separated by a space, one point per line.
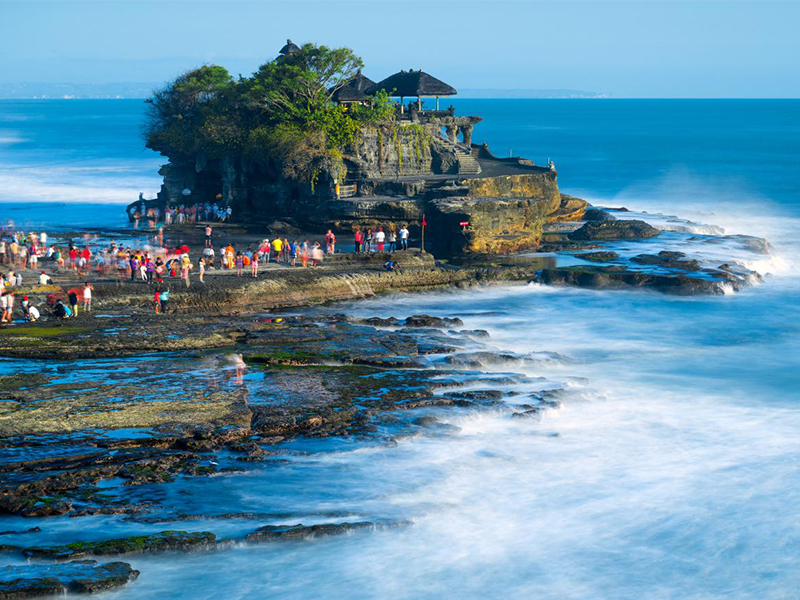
x=467 y=164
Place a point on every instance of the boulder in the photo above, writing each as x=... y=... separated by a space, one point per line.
x=614 y=230
x=669 y=260
x=436 y=322
x=600 y=256
x=77 y=577
x=598 y=214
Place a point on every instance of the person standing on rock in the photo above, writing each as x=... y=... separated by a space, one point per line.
x=368 y=241
x=239 y=264
x=186 y=266
x=392 y=238
x=404 y=238
x=157 y=300
x=164 y=300
x=380 y=239
x=330 y=242
x=209 y=233
x=202 y=264
x=72 y=294
x=277 y=246
x=358 y=239
x=254 y=264
x=87 y=297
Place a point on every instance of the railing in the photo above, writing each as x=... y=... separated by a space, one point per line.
x=347 y=191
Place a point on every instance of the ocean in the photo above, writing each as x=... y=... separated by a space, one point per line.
x=671 y=469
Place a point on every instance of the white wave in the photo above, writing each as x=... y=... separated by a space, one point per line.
x=32 y=188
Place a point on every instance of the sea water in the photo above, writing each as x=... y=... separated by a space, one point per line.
x=671 y=468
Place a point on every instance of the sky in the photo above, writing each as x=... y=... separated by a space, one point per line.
x=625 y=49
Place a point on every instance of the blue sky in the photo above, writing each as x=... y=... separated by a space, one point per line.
x=627 y=49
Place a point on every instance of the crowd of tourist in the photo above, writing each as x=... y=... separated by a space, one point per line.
x=179 y=215
x=156 y=263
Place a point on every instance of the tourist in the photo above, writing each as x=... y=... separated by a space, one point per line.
x=404 y=238
x=25 y=306
x=33 y=314
x=304 y=251
x=277 y=246
x=368 y=241
x=380 y=239
x=61 y=310
x=285 y=248
x=136 y=217
x=209 y=232
x=44 y=279
x=208 y=255
x=72 y=295
x=202 y=264
x=164 y=300
x=316 y=254
x=392 y=237
x=239 y=264
x=390 y=266
x=157 y=300
x=186 y=266
x=87 y=297
x=358 y=239
x=5 y=313
x=254 y=264
x=330 y=242
x=266 y=249
x=293 y=253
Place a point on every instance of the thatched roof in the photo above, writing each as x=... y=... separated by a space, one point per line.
x=414 y=83
x=354 y=90
x=289 y=48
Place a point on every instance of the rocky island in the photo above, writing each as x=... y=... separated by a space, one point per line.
x=310 y=140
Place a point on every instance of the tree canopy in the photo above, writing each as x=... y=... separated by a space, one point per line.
x=283 y=111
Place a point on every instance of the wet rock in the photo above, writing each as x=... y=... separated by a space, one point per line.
x=379 y=322
x=272 y=533
x=529 y=413
x=668 y=260
x=490 y=396
x=600 y=256
x=427 y=421
x=598 y=214
x=474 y=333
x=164 y=541
x=77 y=577
x=614 y=230
x=436 y=322
x=597 y=277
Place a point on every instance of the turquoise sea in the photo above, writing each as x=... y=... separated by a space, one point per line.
x=672 y=469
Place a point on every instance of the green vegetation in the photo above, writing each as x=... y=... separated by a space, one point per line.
x=283 y=112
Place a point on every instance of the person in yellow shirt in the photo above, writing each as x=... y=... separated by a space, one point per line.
x=277 y=246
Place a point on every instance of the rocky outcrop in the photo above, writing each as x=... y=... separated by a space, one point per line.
x=78 y=577
x=159 y=542
x=614 y=230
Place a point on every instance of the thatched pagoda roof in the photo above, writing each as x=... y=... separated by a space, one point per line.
x=414 y=83
x=354 y=90
x=289 y=48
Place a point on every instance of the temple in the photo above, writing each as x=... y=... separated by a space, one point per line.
x=423 y=162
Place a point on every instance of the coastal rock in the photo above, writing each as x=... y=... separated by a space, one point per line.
x=614 y=230
x=669 y=260
x=597 y=277
x=598 y=214
x=435 y=322
x=159 y=542
x=600 y=256
x=77 y=577
x=272 y=533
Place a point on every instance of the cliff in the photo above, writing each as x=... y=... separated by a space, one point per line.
x=390 y=176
